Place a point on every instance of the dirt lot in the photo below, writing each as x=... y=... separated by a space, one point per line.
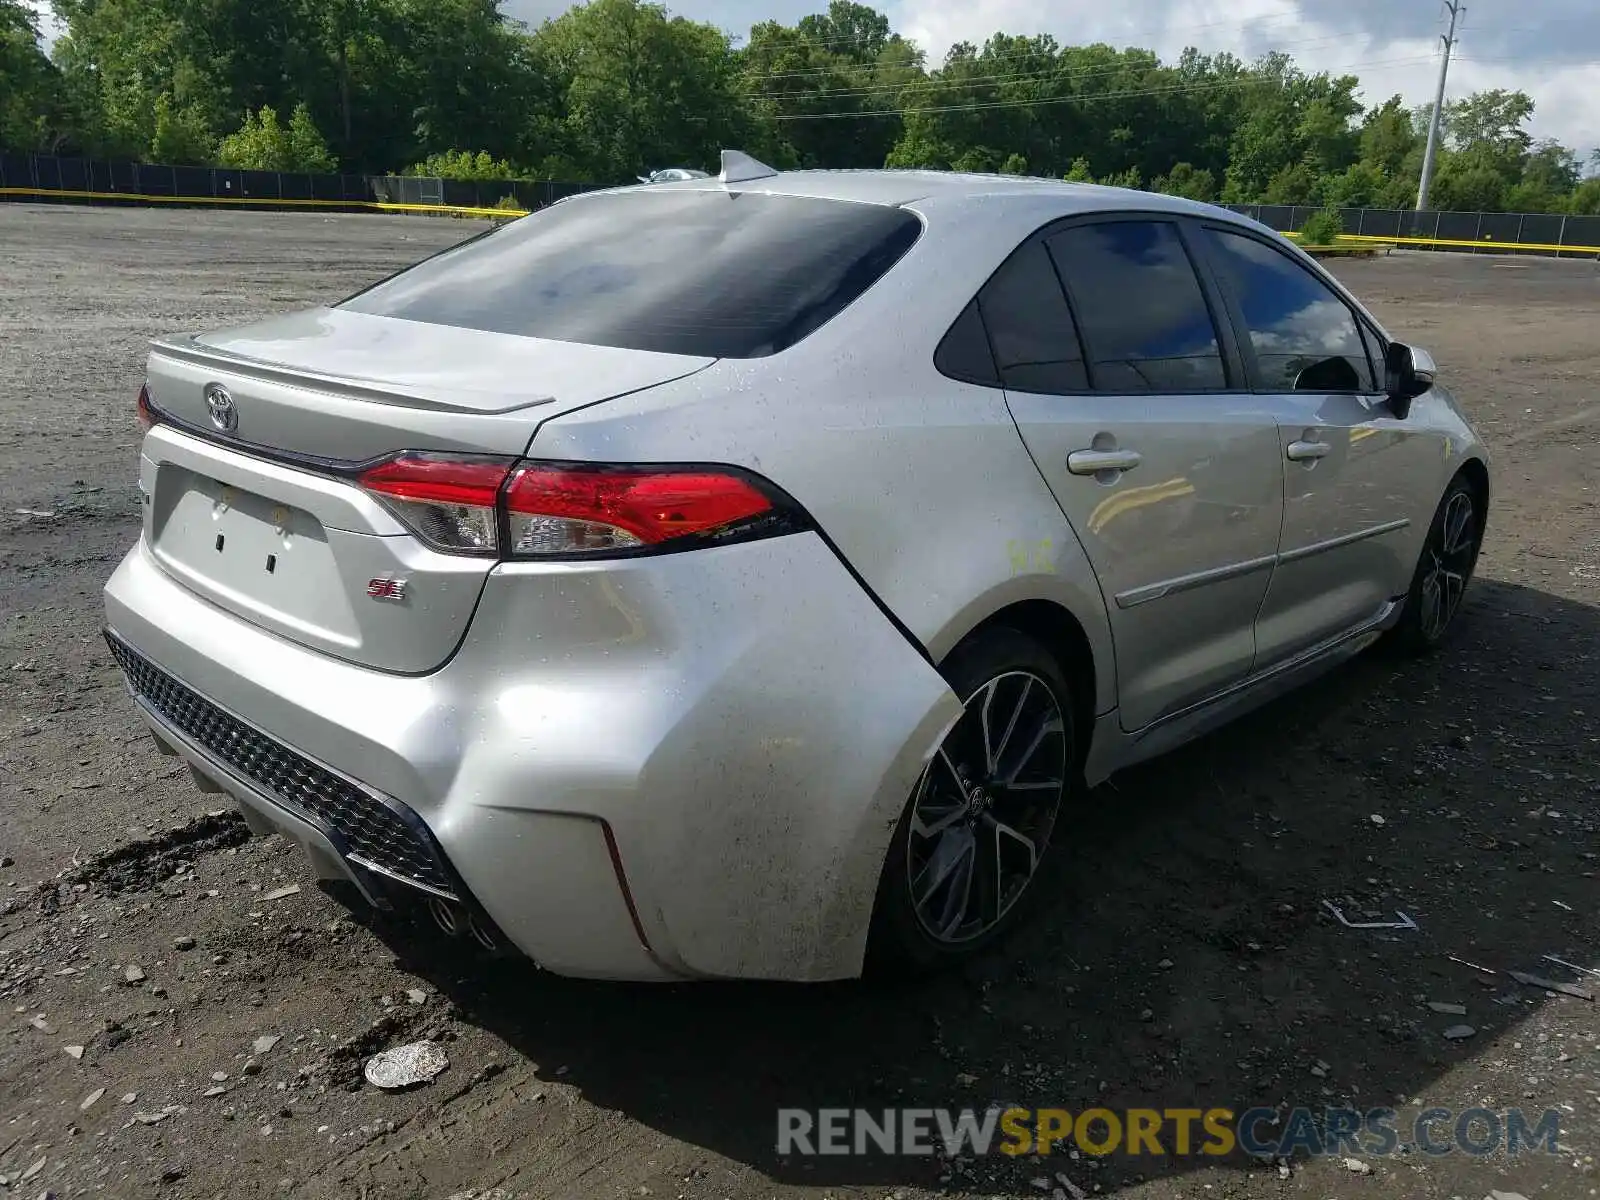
x=1186 y=960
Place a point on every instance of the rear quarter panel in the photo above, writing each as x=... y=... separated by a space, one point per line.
x=921 y=482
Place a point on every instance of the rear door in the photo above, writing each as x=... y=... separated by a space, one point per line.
x=1129 y=396
x=1349 y=466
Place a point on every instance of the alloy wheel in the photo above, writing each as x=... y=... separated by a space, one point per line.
x=1450 y=555
x=985 y=806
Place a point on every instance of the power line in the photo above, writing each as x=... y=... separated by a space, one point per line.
x=1053 y=73
x=1185 y=88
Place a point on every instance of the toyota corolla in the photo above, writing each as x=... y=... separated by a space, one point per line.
x=745 y=577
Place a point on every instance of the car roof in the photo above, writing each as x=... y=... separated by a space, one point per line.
x=953 y=188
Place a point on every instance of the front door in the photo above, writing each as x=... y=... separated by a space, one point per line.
x=1347 y=461
x=1169 y=472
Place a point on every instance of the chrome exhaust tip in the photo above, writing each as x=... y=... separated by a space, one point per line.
x=483 y=936
x=444 y=916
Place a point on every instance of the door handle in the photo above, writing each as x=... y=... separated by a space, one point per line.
x=1308 y=451
x=1092 y=462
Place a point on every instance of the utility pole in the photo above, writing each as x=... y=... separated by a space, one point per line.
x=1456 y=8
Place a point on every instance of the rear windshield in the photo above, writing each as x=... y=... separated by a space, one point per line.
x=716 y=273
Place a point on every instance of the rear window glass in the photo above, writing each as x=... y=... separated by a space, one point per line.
x=717 y=273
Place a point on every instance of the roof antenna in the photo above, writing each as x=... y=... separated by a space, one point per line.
x=737 y=166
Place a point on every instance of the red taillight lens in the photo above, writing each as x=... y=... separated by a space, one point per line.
x=147 y=414
x=448 y=501
x=458 y=503
x=559 y=509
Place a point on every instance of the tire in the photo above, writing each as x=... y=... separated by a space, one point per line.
x=1443 y=572
x=992 y=832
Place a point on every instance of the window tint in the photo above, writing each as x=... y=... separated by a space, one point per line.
x=1139 y=304
x=1035 y=343
x=964 y=352
x=729 y=274
x=1297 y=325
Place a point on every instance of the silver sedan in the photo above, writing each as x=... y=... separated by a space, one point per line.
x=745 y=576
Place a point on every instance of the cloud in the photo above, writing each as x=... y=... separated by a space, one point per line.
x=50 y=28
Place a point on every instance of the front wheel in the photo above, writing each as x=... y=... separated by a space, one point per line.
x=977 y=827
x=1448 y=559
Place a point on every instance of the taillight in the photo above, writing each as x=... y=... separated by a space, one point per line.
x=466 y=505
x=582 y=509
x=447 y=500
x=147 y=413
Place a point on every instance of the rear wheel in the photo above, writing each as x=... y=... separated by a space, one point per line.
x=976 y=830
x=1448 y=559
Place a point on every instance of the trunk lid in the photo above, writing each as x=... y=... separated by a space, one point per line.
x=264 y=518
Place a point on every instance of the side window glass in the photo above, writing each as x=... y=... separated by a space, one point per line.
x=1144 y=318
x=964 y=353
x=1036 y=346
x=1305 y=338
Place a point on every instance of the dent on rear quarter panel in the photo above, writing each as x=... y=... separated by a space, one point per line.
x=751 y=742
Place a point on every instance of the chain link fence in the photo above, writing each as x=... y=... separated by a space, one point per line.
x=1552 y=234
x=36 y=177
x=43 y=177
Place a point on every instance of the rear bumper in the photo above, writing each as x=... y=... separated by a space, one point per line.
x=680 y=766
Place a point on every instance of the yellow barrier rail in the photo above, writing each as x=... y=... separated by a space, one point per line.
x=265 y=202
x=508 y=213
x=1461 y=243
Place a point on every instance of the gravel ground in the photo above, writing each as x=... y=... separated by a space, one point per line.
x=149 y=955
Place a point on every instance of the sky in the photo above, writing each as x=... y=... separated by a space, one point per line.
x=1547 y=48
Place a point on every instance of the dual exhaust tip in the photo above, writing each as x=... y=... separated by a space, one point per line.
x=460 y=922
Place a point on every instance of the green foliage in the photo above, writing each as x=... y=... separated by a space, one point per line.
x=1184 y=180
x=1323 y=228
x=1079 y=172
x=262 y=144
x=1360 y=186
x=1585 y=199
x=180 y=135
x=464 y=164
x=33 y=96
x=612 y=89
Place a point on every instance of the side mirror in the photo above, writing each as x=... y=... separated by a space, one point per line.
x=1408 y=373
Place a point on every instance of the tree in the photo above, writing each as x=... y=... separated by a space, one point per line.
x=1361 y=186
x=642 y=90
x=1551 y=167
x=1184 y=180
x=181 y=135
x=308 y=150
x=464 y=164
x=614 y=88
x=1292 y=185
x=1488 y=126
x=1465 y=186
x=1388 y=137
x=33 y=101
x=262 y=144
x=1585 y=200
x=849 y=30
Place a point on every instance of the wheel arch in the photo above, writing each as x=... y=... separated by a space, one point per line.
x=1476 y=472
x=1062 y=634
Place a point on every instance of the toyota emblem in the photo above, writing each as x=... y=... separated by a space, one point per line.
x=219 y=404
